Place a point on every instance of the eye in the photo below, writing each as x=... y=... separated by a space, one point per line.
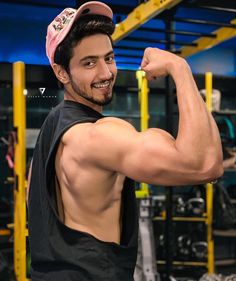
x=110 y=59
x=90 y=63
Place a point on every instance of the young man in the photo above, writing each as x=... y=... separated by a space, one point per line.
x=82 y=212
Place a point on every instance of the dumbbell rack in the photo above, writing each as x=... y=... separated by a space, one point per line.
x=222 y=264
x=206 y=218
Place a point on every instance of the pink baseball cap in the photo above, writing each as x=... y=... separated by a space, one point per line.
x=61 y=25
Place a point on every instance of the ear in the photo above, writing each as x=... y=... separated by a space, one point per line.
x=61 y=73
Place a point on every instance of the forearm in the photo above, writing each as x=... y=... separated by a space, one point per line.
x=198 y=135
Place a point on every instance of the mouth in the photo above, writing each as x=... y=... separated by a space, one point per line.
x=103 y=84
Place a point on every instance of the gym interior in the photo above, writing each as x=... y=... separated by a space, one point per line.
x=186 y=233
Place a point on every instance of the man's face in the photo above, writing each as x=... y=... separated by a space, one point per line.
x=93 y=69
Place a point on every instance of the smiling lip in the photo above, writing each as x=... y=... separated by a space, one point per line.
x=105 y=84
x=102 y=85
x=104 y=90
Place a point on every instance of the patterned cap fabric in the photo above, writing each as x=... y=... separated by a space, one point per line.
x=61 y=25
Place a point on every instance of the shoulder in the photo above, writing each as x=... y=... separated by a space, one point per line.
x=103 y=143
x=101 y=127
x=112 y=122
x=110 y=129
x=106 y=133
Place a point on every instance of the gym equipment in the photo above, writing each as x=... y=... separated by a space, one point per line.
x=179 y=207
x=159 y=205
x=195 y=206
x=147 y=245
x=161 y=247
x=224 y=212
x=216 y=98
x=211 y=277
x=231 y=277
x=184 y=246
x=146 y=269
x=199 y=250
x=188 y=208
x=143 y=100
x=227 y=131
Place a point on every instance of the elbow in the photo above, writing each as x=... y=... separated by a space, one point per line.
x=212 y=164
x=216 y=172
x=212 y=170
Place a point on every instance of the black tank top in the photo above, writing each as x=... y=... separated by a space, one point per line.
x=59 y=253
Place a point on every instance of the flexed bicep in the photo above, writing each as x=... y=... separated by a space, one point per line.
x=115 y=145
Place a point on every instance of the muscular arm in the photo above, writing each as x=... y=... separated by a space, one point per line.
x=154 y=156
x=198 y=137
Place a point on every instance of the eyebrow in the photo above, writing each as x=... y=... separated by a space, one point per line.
x=96 y=57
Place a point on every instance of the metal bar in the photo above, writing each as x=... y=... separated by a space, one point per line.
x=213 y=8
x=140 y=15
x=143 y=99
x=210 y=242
x=209 y=187
x=222 y=34
x=208 y=83
x=129 y=48
x=130 y=63
x=159 y=41
x=128 y=56
x=185 y=263
x=190 y=219
x=19 y=121
x=147 y=258
x=169 y=190
x=178 y=32
x=141 y=194
x=206 y=22
x=141 y=49
x=5 y=232
x=144 y=104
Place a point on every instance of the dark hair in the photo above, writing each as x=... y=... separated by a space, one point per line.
x=83 y=27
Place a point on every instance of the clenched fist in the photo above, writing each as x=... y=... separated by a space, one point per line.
x=158 y=63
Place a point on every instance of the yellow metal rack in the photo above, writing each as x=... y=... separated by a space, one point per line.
x=222 y=34
x=143 y=100
x=19 y=119
x=140 y=15
x=209 y=186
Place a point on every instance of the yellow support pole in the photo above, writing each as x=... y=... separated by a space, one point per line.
x=210 y=242
x=209 y=186
x=208 y=83
x=143 y=99
x=19 y=171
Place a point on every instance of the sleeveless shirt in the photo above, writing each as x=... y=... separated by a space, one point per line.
x=60 y=253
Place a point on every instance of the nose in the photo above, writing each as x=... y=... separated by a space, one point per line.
x=104 y=72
